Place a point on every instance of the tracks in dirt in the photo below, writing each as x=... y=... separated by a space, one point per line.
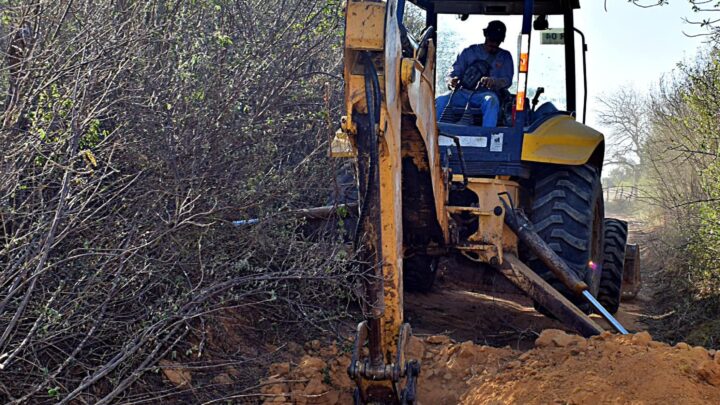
x=542 y=366
x=483 y=316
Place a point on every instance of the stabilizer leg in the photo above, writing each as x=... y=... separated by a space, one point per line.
x=523 y=228
x=544 y=294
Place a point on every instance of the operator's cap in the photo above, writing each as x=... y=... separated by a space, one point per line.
x=495 y=31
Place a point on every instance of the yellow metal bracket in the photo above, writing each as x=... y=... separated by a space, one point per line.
x=407 y=71
x=365 y=26
x=341 y=146
x=492 y=237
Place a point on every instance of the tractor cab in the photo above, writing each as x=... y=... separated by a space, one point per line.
x=545 y=27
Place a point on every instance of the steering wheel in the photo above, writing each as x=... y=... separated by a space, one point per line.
x=471 y=78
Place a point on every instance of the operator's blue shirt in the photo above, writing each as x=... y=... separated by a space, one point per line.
x=502 y=65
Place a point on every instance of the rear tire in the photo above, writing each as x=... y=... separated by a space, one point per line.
x=567 y=212
x=419 y=273
x=632 y=280
x=612 y=271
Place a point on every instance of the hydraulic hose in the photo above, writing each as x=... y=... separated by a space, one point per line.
x=375 y=288
x=372 y=96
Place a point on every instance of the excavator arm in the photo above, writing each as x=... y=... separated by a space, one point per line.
x=372 y=125
x=382 y=91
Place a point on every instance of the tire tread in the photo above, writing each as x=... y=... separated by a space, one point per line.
x=613 y=262
x=563 y=210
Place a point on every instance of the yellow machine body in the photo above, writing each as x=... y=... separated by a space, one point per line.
x=408 y=143
x=561 y=140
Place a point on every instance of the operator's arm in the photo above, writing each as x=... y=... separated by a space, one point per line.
x=506 y=70
x=503 y=70
x=458 y=68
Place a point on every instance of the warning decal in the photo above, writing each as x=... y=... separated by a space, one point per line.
x=496 y=142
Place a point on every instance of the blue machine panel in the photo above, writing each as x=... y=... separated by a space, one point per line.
x=486 y=151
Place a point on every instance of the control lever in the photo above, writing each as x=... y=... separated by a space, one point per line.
x=538 y=92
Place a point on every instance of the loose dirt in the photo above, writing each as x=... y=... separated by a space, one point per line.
x=472 y=302
x=562 y=368
x=494 y=348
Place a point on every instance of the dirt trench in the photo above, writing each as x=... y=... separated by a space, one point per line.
x=480 y=341
x=477 y=304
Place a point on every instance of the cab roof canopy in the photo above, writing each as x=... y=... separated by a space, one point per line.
x=496 y=7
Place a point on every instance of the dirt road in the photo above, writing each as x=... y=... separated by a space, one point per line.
x=511 y=354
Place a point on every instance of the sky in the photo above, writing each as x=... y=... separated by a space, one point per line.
x=628 y=46
x=633 y=47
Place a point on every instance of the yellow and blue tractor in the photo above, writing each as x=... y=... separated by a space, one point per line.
x=523 y=198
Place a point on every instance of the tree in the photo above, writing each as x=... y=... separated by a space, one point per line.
x=626 y=113
x=706 y=10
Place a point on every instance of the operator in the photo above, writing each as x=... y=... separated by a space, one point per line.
x=484 y=95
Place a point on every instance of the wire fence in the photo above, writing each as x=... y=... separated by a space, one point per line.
x=621 y=193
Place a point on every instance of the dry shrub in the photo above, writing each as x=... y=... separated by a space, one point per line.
x=133 y=133
x=682 y=153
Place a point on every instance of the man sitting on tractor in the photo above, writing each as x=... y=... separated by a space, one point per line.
x=478 y=74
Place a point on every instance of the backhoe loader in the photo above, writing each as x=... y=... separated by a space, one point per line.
x=523 y=198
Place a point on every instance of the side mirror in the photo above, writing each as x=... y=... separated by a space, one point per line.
x=541 y=23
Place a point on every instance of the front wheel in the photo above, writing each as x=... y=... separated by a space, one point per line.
x=419 y=272
x=631 y=272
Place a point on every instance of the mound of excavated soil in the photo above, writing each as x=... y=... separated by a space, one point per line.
x=562 y=368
